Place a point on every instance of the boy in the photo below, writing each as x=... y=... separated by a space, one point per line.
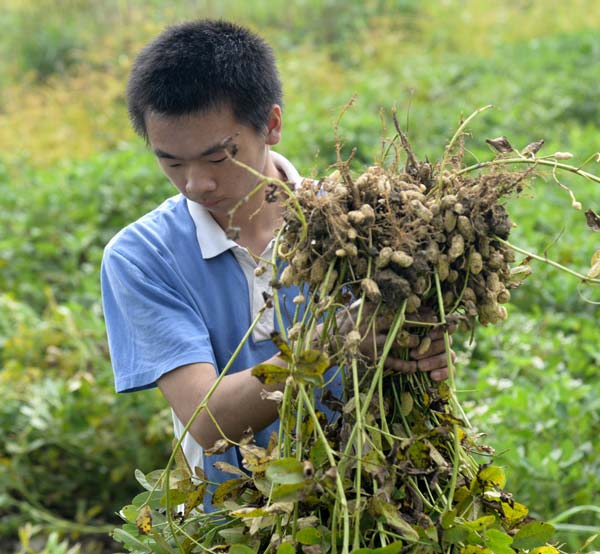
x=178 y=294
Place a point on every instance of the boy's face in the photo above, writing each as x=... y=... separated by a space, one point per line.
x=190 y=152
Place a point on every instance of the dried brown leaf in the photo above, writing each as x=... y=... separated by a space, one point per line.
x=593 y=220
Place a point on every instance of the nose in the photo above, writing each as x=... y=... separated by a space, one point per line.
x=199 y=181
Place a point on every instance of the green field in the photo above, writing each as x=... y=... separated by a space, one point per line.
x=72 y=174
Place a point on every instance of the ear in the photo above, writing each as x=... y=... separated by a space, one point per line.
x=274 y=126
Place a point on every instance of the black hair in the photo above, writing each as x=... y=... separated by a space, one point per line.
x=201 y=65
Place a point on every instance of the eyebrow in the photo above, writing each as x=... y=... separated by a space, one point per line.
x=217 y=147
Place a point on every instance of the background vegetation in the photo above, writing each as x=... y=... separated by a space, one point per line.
x=72 y=174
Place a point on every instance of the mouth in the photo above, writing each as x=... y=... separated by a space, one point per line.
x=210 y=203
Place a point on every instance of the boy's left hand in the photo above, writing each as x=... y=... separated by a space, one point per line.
x=431 y=358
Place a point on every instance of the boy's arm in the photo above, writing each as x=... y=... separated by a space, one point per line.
x=236 y=403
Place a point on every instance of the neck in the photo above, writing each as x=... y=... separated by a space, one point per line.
x=256 y=219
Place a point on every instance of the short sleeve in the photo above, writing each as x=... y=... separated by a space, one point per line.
x=151 y=328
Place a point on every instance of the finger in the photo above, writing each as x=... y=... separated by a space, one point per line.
x=439 y=374
x=403 y=339
x=401 y=366
x=432 y=363
x=438 y=332
x=426 y=315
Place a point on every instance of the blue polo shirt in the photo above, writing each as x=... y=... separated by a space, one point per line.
x=165 y=306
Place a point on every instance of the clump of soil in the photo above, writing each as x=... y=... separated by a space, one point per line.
x=388 y=232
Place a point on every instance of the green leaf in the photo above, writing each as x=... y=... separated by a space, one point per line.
x=240 y=549
x=286 y=548
x=148 y=481
x=285 y=471
x=481 y=523
x=130 y=541
x=448 y=519
x=130 y=512
x=318 y=453
x=175 y=497
x=498 y=541
x=150 y=498
x=233 y=535
x=161 y=546
x=270 y=374
x=392 y=548
x=288 y=492
x=456 y=535
x=535 y=533
x=309 y=536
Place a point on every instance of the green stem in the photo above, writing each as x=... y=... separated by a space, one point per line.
x=359 y=442
x=529 y=161
x=575 y=510
x=455 y=457
x=60 y=523
x=263 y=180
x=396 y=325
x=583 y=278
x=338 y=480
x=457 y=134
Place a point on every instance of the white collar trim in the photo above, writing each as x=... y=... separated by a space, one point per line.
x=212 y=239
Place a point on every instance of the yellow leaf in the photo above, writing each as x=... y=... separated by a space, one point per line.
x=228 y=489
x=595 y=269
x=143 y=521
x=544 y=550
x=492 y=475
x=194 y=498
x=313 y=361
x=219 y=447
x=270 y=374
x=310 y=367
x=284 y=349
x=228 y=468
x=255 y=458
x=514 y=513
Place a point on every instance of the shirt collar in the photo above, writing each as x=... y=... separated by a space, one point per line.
x=212 y=239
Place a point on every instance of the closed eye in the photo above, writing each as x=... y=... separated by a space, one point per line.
x=218 y=161
x=174 y=165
